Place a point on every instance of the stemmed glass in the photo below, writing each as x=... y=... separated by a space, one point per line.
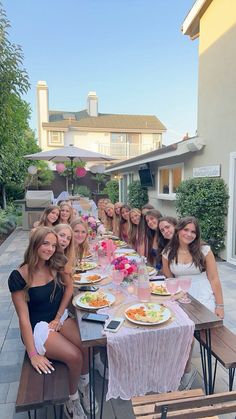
x=103 y=260
x=172 y=286
x=117 y=278
x=185 y=284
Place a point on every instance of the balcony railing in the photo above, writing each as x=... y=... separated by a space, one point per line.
x=124 y=150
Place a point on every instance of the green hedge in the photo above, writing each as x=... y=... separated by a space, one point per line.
x=112 y=190
x=137 y=194
x=207 y=200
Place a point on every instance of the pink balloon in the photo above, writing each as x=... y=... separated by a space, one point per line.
x=60 y=167
x=80 y=171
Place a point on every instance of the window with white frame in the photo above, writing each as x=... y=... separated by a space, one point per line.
x=169 y=178
x=55 y=138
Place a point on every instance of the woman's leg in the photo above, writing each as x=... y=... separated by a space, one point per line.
x=61 y=349
x=71 y=332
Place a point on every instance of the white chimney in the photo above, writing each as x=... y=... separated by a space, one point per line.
x=42 y=110
x=92 y=104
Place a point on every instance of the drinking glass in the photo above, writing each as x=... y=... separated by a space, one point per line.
x=103 y=260
x=172 y=286
x=185 y=284
x=117 y=278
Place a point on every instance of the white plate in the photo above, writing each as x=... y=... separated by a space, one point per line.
x=90 y=265
x=159 y=283
x=77 y=300
x=150 y=306
x=84 y=281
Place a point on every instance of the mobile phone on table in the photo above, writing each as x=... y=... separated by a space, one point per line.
x=88 y=288
x=157 y=278
x=95 y=317
x=114 y=324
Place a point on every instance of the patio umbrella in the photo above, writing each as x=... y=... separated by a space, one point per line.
x=70 y=153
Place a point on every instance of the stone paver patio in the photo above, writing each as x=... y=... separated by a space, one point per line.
x=12 y=349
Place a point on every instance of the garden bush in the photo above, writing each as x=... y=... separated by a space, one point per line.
x=207 y=200
x=137 y=194
x=8 y=219
x=83 y=190
x=112 y=190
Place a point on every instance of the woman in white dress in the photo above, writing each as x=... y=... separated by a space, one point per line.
x=186 y=255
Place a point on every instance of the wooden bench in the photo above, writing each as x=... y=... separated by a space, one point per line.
x=189 y=404
x=223 y=347
x=41 y=390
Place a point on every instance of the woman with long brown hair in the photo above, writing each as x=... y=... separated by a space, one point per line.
x=137 y=231
x=49 y=218
x=41 y=290
x=187 y=255
x=66 y=242
x=152 y=217
x=124 y=223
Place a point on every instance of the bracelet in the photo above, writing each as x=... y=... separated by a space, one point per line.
x=59 y=314
x=31 y=354
x=219 y=305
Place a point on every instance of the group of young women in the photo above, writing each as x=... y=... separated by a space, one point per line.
x=42 y=285
x=174 y=247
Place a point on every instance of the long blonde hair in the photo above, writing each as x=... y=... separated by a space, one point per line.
x=109 y=221
x=69 y=251
x=66 y=204
x=81 y=249
x=56 y=262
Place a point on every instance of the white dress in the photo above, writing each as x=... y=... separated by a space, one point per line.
x=200 y=286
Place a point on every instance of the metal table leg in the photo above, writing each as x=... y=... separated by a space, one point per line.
x=103 y=384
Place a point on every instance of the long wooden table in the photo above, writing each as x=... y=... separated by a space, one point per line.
x=203 y=319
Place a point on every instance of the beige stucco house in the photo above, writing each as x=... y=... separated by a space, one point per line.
x=213 y=151
x=119 y=136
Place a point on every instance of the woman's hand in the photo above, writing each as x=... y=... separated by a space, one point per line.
x=219 y=311
x=41 y=364
x=55 y=325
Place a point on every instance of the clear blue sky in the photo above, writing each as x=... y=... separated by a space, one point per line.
x=131 y=52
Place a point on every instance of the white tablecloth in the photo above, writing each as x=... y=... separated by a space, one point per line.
x=148 y=359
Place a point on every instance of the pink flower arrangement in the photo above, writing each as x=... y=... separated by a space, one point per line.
x=124 y=264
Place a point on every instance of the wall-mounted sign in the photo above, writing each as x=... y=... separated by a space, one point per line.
x=206 y=171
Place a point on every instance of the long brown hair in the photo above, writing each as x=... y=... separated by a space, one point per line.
x=123 y=221
x=194 y=247
x=109 y=221
x=44 y=217
x=150 y=235
x=56 y=262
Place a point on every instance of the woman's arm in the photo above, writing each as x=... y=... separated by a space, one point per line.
x=40 y=363
x=165 y=268
x=213 y=277
x=68 y=292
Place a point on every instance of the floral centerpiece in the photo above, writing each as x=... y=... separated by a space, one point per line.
x=127 y=265
x=92 y=225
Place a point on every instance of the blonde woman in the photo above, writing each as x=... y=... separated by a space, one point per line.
x=116 y=217
x=41 y=291
x=66 y=242
x=109 y=217
x=66 y=213
x=81 y=244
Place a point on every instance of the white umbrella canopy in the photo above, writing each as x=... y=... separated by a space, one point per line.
x=71 y=153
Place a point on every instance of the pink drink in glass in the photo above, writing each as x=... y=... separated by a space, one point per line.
x=185 y=284
x=117 y=276
x=144 y=293
x=172 y=285
x=103 y=259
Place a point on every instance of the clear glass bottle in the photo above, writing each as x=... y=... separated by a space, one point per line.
x=143 y=282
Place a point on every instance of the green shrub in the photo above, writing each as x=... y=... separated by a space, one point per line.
x=83 y=191
x=8 y=219
x=207 y=200
x=137 y=194
x=112 y=190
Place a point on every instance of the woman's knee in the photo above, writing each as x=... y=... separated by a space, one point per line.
x=75 y=357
